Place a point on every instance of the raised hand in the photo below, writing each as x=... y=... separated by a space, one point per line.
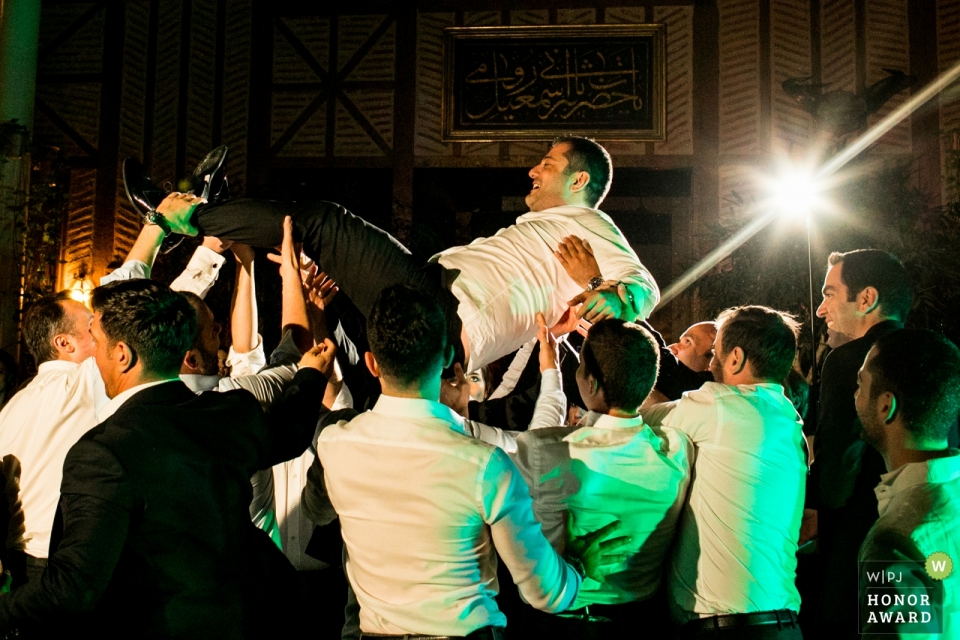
x=549 y=359
x=321 y=357
x=177 y=209
x=289 y=258
x=578 y=260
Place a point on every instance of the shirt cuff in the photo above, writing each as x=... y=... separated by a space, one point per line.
x=129 y=270
x=201 y=272
x=247 y=364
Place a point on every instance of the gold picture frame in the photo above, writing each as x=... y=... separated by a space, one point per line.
x=536 y=82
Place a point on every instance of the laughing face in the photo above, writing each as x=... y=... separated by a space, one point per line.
x=551 y=182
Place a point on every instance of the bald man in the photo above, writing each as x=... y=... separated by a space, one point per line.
x=695 y=346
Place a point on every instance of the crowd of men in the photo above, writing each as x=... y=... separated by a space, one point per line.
x=601 y=484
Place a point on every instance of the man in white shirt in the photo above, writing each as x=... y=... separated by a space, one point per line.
x=424 y=507
x=907 y=413
x=154 y=535
x=613 y=468
x=491 y=289
x=40 y=424
x=733 y=569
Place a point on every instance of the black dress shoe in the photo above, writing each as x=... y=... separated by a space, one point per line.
x=210 y=177
x=143 y=193
x=146 y=196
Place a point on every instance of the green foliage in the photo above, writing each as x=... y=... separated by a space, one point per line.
x=39 y=212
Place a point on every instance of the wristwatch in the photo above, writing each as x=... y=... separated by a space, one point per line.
x=155 y=217
x=594 y=283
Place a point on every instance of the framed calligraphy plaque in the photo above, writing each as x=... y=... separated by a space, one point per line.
x=522 y=83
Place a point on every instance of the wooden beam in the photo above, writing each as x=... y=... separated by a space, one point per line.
x=404 y=122
x=105 y=200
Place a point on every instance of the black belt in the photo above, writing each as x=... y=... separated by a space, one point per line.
x=783 y=618
x=483 y=633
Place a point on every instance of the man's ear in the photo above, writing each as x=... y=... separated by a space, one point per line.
x=124 y=356
x=62 y=342
x=580 y=181
x=868 y=300
x=190 y=361
x=887 y=407
x=371 y=363
x=739 y=360
x=448 y=353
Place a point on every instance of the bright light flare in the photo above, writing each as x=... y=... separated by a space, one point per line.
x=796 y=194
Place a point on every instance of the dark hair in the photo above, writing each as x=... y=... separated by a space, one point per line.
x=44 y=320
x=10 y=374
x=768 y=339
x=928 y=389
x=585 y=154
x=624 y=359
x=797 y=390
x=157 y=323
x=198 y=305
x=878 y=269
x=407 y=333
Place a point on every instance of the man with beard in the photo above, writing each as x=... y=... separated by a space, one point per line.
x=907 y=413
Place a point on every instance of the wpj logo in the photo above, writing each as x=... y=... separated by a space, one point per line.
x=900 y=597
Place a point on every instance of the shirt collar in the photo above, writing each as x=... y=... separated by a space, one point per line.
x=52 y=365
x=935 y=471
x=417 y=408
x=199 y=383
x=115 y=403
x=604 y=421
x=603 y=431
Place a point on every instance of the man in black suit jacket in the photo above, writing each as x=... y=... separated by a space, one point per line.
x=866 y=295
x=155 y=535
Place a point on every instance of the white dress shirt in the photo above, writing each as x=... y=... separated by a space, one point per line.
x=611 y=469
x=424 y=509
x=919 y=505
x=37 y=428
x=65 y=400
x=736 y=550
x=506 y=279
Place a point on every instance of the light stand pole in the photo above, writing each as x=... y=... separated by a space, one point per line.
x=811 y=412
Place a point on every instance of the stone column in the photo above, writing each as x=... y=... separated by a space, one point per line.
x=19 y=32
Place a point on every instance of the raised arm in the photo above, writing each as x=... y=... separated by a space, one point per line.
x=246 y=355
x=294 y=309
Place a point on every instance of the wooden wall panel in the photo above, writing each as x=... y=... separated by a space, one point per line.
x=524 y=18
x=577 y=16
x=948 y=55
x=78 y=239
x=200 y=85
x=163 y=165
x=790 y=58
x=132 y=100
x=888 y=47
x=739 y=77
x=838 y=45
x=429 y=126
x=625 y=15
x=310 y=139
x=378 y=63
x=679 y=23
x=236 y=90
